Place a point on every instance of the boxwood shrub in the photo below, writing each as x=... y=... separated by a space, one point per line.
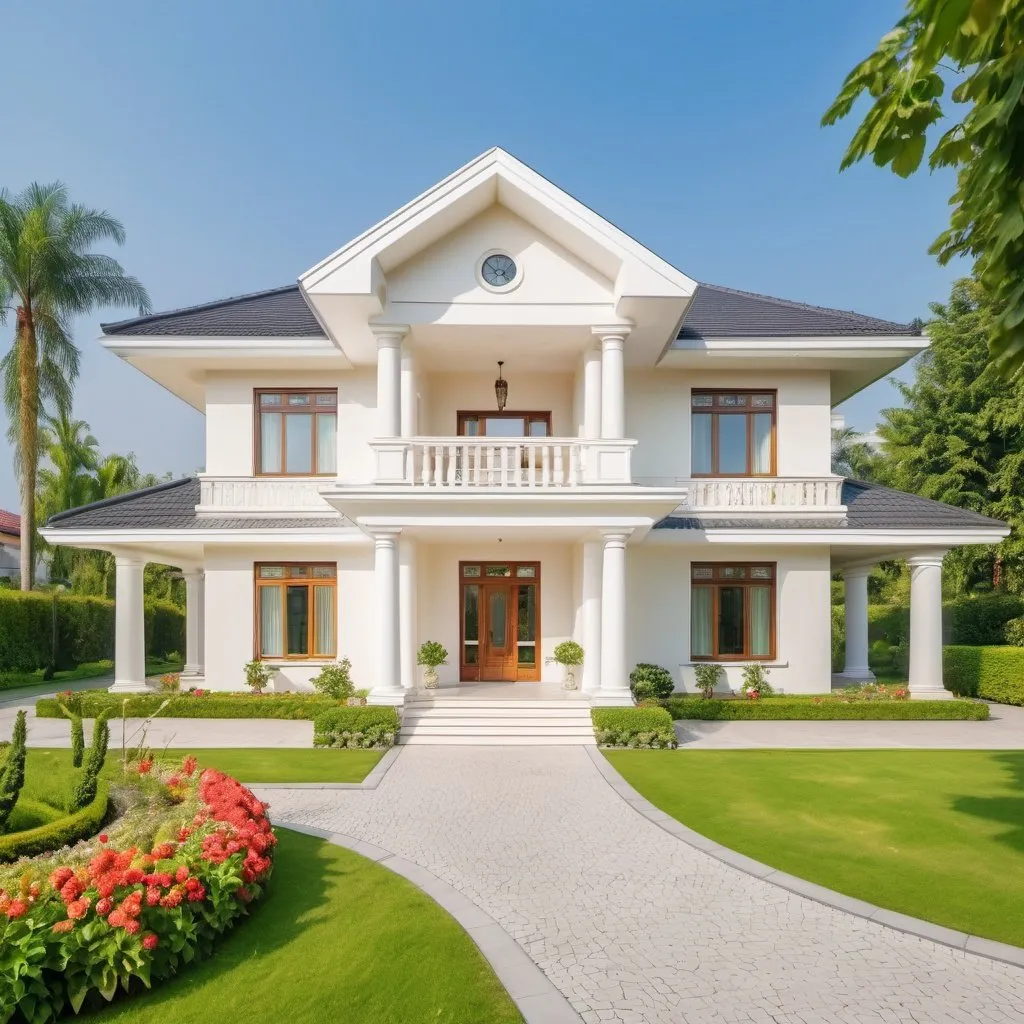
x=807 y=709
x=993 y=673
x=64 y=831
x=91 y=703
x=356 y=727
x=646 y=727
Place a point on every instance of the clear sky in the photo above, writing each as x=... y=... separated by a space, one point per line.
x=240 y=141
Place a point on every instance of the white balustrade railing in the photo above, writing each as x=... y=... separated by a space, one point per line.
x=766 y=494
x=260 y=495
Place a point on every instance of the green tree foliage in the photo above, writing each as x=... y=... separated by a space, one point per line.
x=851 y=455
x=85 y=791
x=960 y=436
x=974 y=45
x=47 y=277
x=12 y=772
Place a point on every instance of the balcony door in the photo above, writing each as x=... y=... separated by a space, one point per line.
x=499 y=605
x=504 y=424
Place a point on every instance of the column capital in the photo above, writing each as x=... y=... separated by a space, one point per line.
x=130 y=561
x=386 y=538
x=924 y=558
x=389 y=335
x=612 y=335
x=856 y=571
x=192 y=574
x=615 y=538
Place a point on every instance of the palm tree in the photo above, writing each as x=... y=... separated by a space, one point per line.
x=851 y=454
x=47 y=277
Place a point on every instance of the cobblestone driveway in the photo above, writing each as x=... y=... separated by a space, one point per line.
x=632 y=924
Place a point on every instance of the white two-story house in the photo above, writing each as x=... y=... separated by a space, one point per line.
x=497 y=421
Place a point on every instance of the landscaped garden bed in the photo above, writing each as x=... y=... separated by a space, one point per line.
x=823 y=708
x=195 y=704
x=642 y=727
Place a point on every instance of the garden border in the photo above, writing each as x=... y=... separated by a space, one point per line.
x=989 y=948
x=373 y=778
x=528 y=986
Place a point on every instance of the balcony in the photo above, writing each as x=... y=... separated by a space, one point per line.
x=261 y=496
x=775 y=496
x=502 y=464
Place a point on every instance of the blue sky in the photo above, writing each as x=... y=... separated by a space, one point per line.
x=240 y=142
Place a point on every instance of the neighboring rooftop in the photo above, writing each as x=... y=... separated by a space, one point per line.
x=10 y=523
x=715 y=312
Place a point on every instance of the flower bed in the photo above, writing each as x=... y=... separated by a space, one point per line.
x=643 y=727
x=134 y=906
x=375 y=727
x=198 y=704
x=824 y=708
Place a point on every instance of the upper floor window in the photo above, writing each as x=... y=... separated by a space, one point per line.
x=732 y=611
x=296 y=432
x=732 y=433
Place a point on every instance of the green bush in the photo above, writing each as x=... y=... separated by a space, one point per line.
x=978 y=619
x=335 y=681
x=1013 y=632
x=646 y=728
x=823 y=708
x=91 y=703
x=54 y=834
x=992 y=673
x=85 y=791
x=648 y=680
x=85 y=629
x=77 y=739
x=12 y=772
x=356 y=727
x=755 y=682
x=838 y=638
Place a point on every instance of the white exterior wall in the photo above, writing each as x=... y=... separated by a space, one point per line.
x=658 y=612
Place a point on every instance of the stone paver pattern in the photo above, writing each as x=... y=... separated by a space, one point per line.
x=633 y=925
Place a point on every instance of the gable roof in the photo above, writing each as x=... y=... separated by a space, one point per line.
x=10 y=523
x=274 y=313
x=718 y=312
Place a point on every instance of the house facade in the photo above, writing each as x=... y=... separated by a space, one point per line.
x=497 y=421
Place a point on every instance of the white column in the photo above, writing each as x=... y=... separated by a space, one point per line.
x=593 y=555
x=592 y=393
x=926 y=626
x=389 y=378
x=129 y=625
x=407 y=611
x=856 y=614
x=408 y=389
x=387 y=686
x=614 y=672
x=613 y=380
x=194 y=613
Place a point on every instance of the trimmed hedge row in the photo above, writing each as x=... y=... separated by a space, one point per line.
x=977 y=620
x=356 y=727
x=65 y=831
x=993 y=673
x=85 y=630
x=92 y=703
x=645 y=727
x=807 y=709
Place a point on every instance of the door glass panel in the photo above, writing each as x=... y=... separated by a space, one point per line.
x=499 y=570
x=538 y=428
x=527 y=619
x=497 y=617
x=471 y=570
x=732 y=444
x=505 y=426
x=470 y=653
x=297 y=619
x=527 y=571
x=730 y=620
x=527 y=654
x=299 y=443
x=471 y=613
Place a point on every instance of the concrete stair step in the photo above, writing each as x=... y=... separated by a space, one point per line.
x=465 y=702
x=495 y=729
x=507 y=740
x=493 y=722
x=539 y=714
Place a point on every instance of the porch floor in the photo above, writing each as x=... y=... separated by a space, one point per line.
x=502 y=692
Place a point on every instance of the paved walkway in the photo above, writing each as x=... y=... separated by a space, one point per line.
x=632 y=924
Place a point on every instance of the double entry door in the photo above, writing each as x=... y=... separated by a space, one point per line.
x=499 y=604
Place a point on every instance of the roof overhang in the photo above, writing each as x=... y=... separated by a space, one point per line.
x=349 y=288
x=885 y=543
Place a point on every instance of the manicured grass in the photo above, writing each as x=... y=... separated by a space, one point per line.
x=87 y=670
x=337 y=938
x=935 y=834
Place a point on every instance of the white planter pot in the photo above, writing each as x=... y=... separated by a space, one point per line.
x=430 y=678
x=569 y=677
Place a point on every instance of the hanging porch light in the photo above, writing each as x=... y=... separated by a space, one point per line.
x=501 y=387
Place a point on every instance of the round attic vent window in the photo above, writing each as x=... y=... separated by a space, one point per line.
x=499 y=271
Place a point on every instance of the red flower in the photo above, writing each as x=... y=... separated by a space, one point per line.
x=16 y=909
x=172 y=899
x=132 y=927
x=145 y=766
x=63 y=927
x=104 y=837
x=104 y=906
x=117 y=919
x=71 y=890
x=152 y=896
x=60 y=876
x=78 y=909
x=150 y=941
x=181 y=874
x=189 y=765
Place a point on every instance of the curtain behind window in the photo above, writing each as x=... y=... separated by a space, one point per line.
x=326 y=443
x=270 y=442
x=323 y=621
x=701 y=601
x=762 y=456
x=700 y=443
x=271 y=631
x=760 y=621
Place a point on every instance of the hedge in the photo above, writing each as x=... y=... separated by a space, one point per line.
x=979 y=619
x=807 y=709
x=85 y=629
x=993 y=673
x=53 y=835
x=91 y=703
x=633 y=727
x=356 y=727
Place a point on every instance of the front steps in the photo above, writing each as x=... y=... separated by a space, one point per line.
x=464 y=721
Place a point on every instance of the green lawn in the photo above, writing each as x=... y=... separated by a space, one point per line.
x=337 y=938
x=935 y=834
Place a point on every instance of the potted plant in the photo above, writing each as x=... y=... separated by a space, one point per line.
x=707 y=676
x=569 y=654
x=431 y=654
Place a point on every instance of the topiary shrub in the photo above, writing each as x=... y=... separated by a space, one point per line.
x=85 y=791
x=12 y=772
x=354 y=727
x=646 y=728
x=647 y=680
x=77 y=740
x=335 y=680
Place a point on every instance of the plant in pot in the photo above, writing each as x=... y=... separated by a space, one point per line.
x=569 y=654
x=431 y=654
x=707 y=678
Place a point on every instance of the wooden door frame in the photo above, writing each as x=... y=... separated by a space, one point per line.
x=471 y=673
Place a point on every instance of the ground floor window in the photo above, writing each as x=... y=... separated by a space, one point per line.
x=296 y=609
x=732 y=610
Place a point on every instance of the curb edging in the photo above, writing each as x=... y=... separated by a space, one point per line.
x=527 y=985
x=966 y=943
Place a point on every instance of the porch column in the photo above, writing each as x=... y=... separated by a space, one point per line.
x=592 y=393
x=926 y=626
x=408 y=388
x=614 y=673
x=129 y=625
x=194 y=614
x=593 y=555
x=407 y=611
x=387 y=686
x=613 y=380
x=856 y=615
x=389 y=378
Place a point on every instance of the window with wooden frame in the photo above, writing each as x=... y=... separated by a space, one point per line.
x=296 y=432
x=732 y=611
x=732 y=433
x=504 y=424
x=296 y=610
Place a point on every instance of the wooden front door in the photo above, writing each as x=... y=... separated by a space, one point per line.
x=500 y=628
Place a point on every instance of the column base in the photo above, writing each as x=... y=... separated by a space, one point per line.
x=854 y=675
x=387 y=698
x=611 y=699
x=187 y=679
x=930 y=693
x=130 y=686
